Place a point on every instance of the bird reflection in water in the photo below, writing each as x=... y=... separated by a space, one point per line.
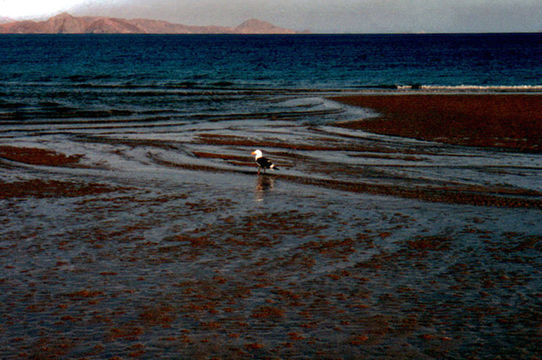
x=264 y=183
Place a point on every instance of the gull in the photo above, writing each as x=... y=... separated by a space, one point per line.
x=263 y=162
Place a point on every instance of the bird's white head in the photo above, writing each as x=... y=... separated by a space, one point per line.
x=258 y=153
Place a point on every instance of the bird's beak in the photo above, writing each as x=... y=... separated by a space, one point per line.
x=253 y=153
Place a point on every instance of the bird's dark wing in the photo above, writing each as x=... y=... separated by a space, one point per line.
x=264 y=162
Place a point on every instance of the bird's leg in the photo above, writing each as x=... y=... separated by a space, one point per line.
x=259 y=170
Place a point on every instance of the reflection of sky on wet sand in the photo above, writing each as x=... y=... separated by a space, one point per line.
x=264 y=184
x=172 y=252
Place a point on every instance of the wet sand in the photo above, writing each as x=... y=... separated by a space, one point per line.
x=512 y=122
x=35 y=156
x=143 y=248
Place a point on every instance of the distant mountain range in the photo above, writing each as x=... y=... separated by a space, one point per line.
x=67 y=24
x=4 y=20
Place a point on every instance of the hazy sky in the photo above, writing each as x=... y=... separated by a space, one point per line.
x=365 y=16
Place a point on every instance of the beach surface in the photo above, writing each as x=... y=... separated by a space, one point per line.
x=163 y=242
x=511 y=122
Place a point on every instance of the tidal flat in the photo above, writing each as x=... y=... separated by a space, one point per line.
x=164 y=242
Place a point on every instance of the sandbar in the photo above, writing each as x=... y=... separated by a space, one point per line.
x=507 y=121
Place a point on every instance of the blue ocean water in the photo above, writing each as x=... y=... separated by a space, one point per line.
x=304 y=61
x=191 y=77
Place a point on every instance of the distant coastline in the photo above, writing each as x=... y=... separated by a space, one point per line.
x=68 y=24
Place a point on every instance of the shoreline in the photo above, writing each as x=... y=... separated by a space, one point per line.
x=507 y=121
x=445 y=193
x=121 y=246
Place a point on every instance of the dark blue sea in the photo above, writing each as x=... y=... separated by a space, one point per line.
x=134 y=223
x=106 y=76
x=292 y=62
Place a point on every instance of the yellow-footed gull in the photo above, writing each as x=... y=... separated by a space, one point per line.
x=263 y=162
